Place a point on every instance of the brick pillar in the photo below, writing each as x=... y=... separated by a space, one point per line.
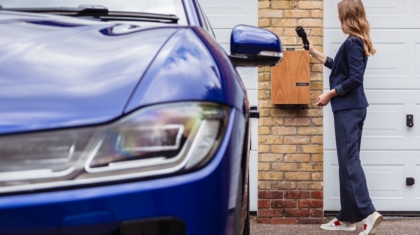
x=290 y=188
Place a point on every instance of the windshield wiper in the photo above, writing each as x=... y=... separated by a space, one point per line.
x=100 y=12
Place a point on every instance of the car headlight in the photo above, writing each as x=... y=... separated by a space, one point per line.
x=157 y=140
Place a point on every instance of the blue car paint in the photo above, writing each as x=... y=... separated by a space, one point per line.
x=243 y=40
x=186 y=60
x=54 y=76
x=200 y=199
x=83 y=66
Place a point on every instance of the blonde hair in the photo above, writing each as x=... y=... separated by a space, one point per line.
x=353 y=20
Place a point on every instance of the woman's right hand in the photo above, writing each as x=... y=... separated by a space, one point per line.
x=311 y=47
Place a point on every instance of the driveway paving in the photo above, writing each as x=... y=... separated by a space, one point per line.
x=389 y=226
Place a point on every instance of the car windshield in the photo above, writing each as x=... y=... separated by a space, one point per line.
x=174 y=7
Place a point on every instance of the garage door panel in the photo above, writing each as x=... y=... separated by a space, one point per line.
x=381 y=13
x=417 y=60
x=394 y=66
x=253 y=97
x=250 y=78
x=333 y=193
x=388 y=62
x=417 y=8
x=386 y=180
x=391 y=8
x=223 y=37
x=417 y=178
x=384 y=121
x=417 y=122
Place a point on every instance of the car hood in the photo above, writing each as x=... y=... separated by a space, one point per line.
x=58 y=72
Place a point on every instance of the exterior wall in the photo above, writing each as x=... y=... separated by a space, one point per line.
x=290 y=187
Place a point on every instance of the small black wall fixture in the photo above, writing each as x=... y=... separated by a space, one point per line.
x=410 y=120
x=410 y=181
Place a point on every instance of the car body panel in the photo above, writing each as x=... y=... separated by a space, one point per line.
x=55 y=76
x=186 y=70
x=83 y=65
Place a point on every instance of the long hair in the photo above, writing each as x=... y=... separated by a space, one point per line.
x=353 y=20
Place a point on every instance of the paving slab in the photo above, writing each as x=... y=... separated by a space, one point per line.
x=389 y=226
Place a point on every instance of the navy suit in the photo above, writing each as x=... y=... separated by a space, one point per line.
x=349 y=109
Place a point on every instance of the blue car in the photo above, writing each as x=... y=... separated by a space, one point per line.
x=123 y=117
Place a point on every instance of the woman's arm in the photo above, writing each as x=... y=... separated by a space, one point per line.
x=316 y=54
x=325 y=60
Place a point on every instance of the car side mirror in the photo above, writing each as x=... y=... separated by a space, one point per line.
x=252 y=46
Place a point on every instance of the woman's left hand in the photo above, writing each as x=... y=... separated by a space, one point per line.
x=324 y=99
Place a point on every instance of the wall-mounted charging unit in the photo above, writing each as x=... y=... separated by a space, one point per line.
x=290 y=79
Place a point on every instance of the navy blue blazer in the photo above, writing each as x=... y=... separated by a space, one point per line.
x=347 y=72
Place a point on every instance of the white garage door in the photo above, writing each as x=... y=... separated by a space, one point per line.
x=223 y=16
x=390 y=150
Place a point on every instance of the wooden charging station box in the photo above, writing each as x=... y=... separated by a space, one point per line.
x=290 y=79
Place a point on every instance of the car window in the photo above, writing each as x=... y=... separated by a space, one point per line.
x=150 y=6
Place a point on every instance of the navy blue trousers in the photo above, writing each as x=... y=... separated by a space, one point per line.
x=354 y=195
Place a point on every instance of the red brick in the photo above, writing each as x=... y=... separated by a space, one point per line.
x=310 y=220
x=317 y=195
x=283 y=204
x=264 y=204
x=270 y=195
x=317 y=213
x=310 y=204
x=284 y=221
x=296 y=213
x=263 y=220
x=268 y=213
x=296 y=195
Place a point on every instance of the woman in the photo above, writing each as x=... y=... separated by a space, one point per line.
x=349 y=105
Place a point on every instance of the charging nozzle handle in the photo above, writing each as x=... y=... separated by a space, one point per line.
x=302 y=34
x=305 y=43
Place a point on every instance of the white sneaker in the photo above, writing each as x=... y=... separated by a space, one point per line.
x=371 y=223
x=337 y=225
